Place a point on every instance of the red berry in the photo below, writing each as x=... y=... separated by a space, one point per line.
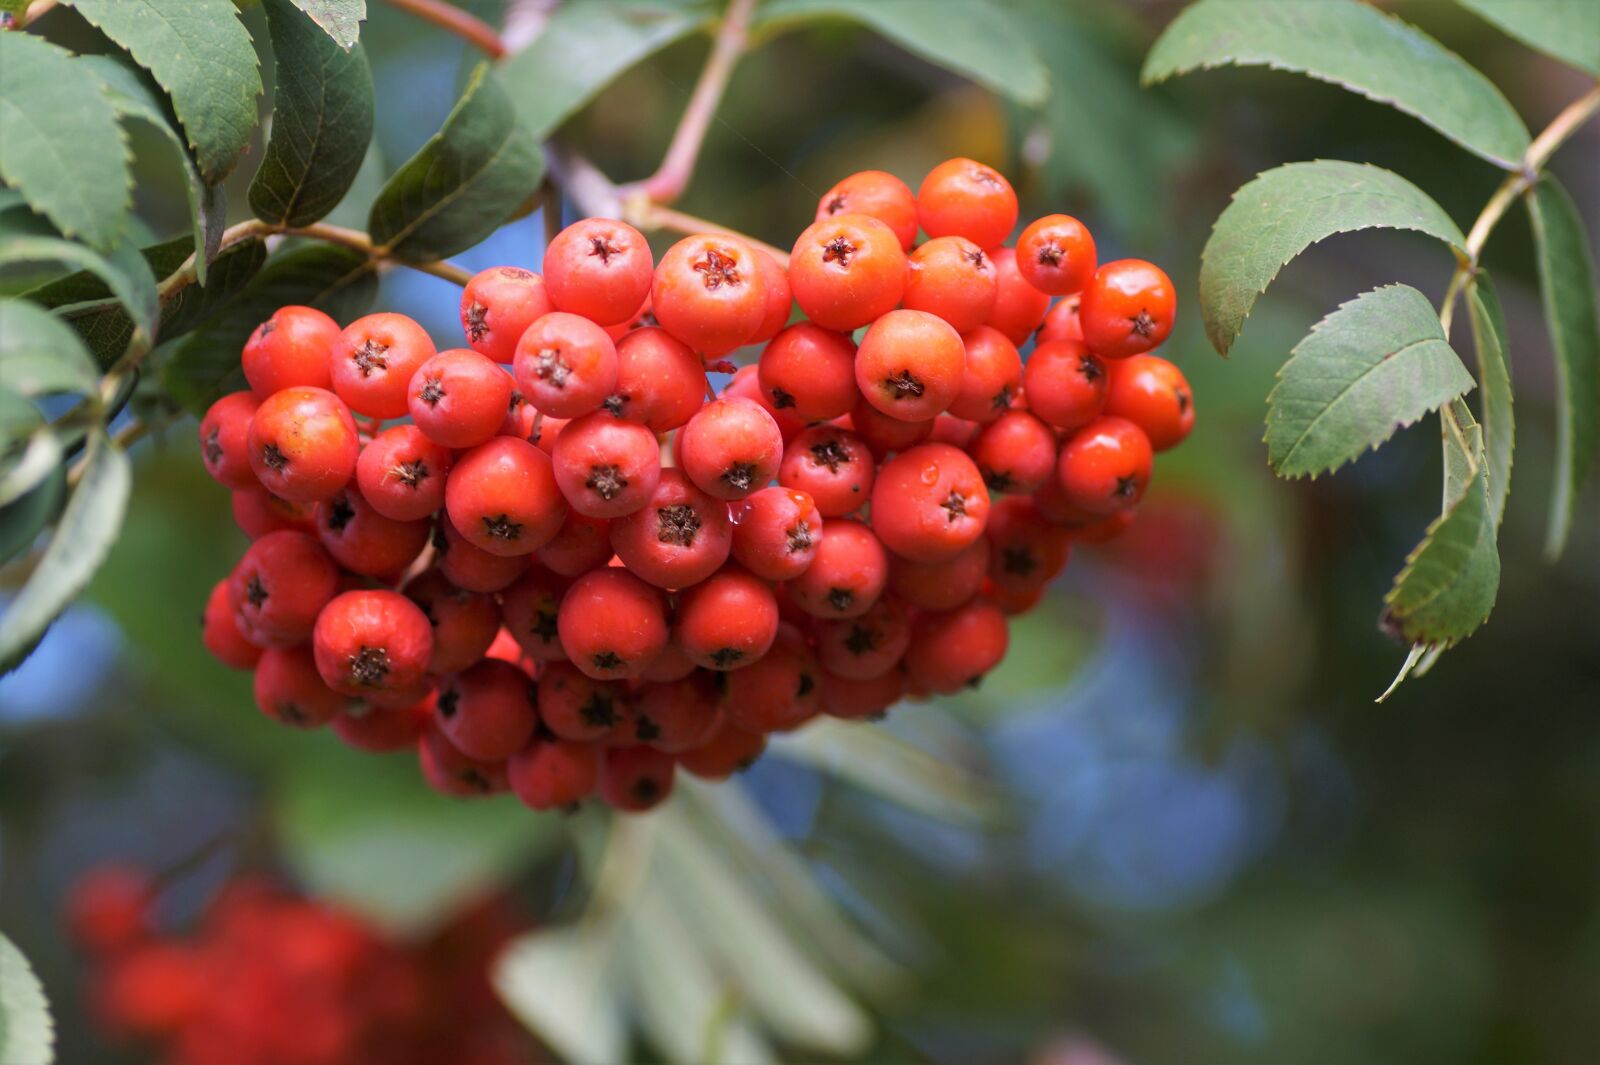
x=364 y=541
x=941 y=585
x=779 y=299
x=224 y=440
x=303 y=444
x=964 y=198
x=155 y=989
x=107 y=908
x=680 y=537
x=847 y=270
x=1105 y=466
x=281 y=585
x=660 y=382
x=746 y=384
x=402 y=473
x=953 y=650
x=374 y=360
x=957 y=432
x=565 y=365
x=220 y=632
x=487 y=710
x=470 y=567
x=257 y=512
x=612 y=623
x=289 y=689
x=910 y=365
x=1018 y=306
x=885 y=434
x=290 y=348
x=599 y=268
x=1056 y=254
x=867 y=646
x=809 y=372
x=707 y=292
x=731 y=448
x=583 y=544
x=634 y=779
x=503 y=498
x=497 y=307
x=777 y=693
x=1027 y=551
x=856 y=699
x=464 y=623
x=776 y=532
x=554 y=774
x=1016 y=453
x=606 y=468
x=459 y=398
x=992 y=376
x=674 y=716
x=831 y=465
x=873 y=192
x=372 y=644
x=929 y=503
x=380 y=730
x=953 y=278
x=1127 y=309
x=531 y=606
x=1064 y=384
x=578 y=707
x=848 y=574
x=1151 y=393
x=450 y=772
x=727 y=621
x=673 y=663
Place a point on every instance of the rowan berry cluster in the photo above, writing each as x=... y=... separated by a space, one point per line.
x=576 y=577
x=269 y=978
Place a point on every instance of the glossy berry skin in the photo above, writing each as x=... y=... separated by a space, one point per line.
x=1056 y=254
x=679 y=538
x=225 y=440
x=954 y=279
x=599 y=268
x=1062 y=322
x=660 y=381
x=577 y=707
x=846 y=271
x=809 y=372
x=530 y=608
x=487 y=710
x=470 y=567
x=910 y=365
x=729 y=750
x=847 y=576
x=280 y=586
x=957 y=432
x=1016 y=453
x=727 y=621
x=675 y=715
x=671 y=664
x=1127 y=309
x=502 y=497
x=857 y=699
x=612 y=624
x=1153 y=394
x=302 y=444
x=374 y=360
x=1027 y=550
x=290 y=348
x=964 y=198
x=731 y=448
x=929 y=503
x=220 y=632
x=885 y=434
x=464 y=623
x=992 y=377
x=777 y=296
x=1065 y=385
x=372 y=643
x=707 y=292
x=498 y=305
x=1105 y=466
x=775 y=533
x=746 y=384
x=635 y=779
x=606 y=468
x=565 y=365
x=831 y=465
x=582 y=544
x=450 y=772
x=867 y=646
x=1019 y=308
x=458 y=398
x=364 y=541
x=554 y=774
x=380 y=730
x=941 y=585
x=779 y=692
x=953 y=650
x=107 y=909
x=257 y=512
x=878 y=194
x=290 y=690
x=402 y=473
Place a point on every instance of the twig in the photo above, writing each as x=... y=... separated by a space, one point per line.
x=653 y=216
x=452 y=19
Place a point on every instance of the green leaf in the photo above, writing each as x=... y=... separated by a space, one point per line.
x=131 y=93
x=1494 y=375
x=1377 y=364
x=1354 y=45
x=60 y=145
x=339 y=19
x=322 y=116
x=200 y=53
x=1450 y=580
x=1565 y=29
x=558 y=982
x=193 y=305
x=124 y=272
x=85 y=533
x=467 y=180
x=976 y=39
x=39 y=355
x=21 y=519
x=1567 y=284
x=27 y=1035
x=1283 y=212
x=205 y=364
x=29 y=447
x=585 y=46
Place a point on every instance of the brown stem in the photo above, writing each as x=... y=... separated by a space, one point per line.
x=452 y=19
x=653 y=216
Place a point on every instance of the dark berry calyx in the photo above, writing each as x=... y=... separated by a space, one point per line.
x=1182 y=396
x=724 y=657
x=213 y=447
x=266 y=327
x=998 y=480
x=837 y=204
x=807 y=682
x=608 y=661
x=340 y=513
x=1090 y=369
x=977 y=257
x=800 y=538
x=718 y=269
x=551 y=367
x=432 y=391
x=411 y=474
x=255 y=593
x=369 y=357
x=860 y=640
x=984 y=176
x=603 y=247
x=598 y=710
x=903 y=385
x=475 y=780
x=646 y=729
x=1050 y=254
x=955 y=505
x=615 y=404
x=1018 y=560
x=449 y=702
x=841 y=598
x=369 y=666
x=477 y=321
x=543 y=626
x=1002 y=399
x=677 y=525
x=740 y=476
x=646 y=789
x=838 y=250
x=606 y=482
x=274 y=459
x=1143 y=324
x=291 y=713
x=516 y=273
x=782 y=400
x=1126 y=487
x=501 y=527
x=830 y=453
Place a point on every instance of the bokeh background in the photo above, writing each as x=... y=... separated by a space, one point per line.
x=1174 y=827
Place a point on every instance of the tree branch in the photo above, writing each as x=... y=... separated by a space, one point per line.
x=452 y=19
